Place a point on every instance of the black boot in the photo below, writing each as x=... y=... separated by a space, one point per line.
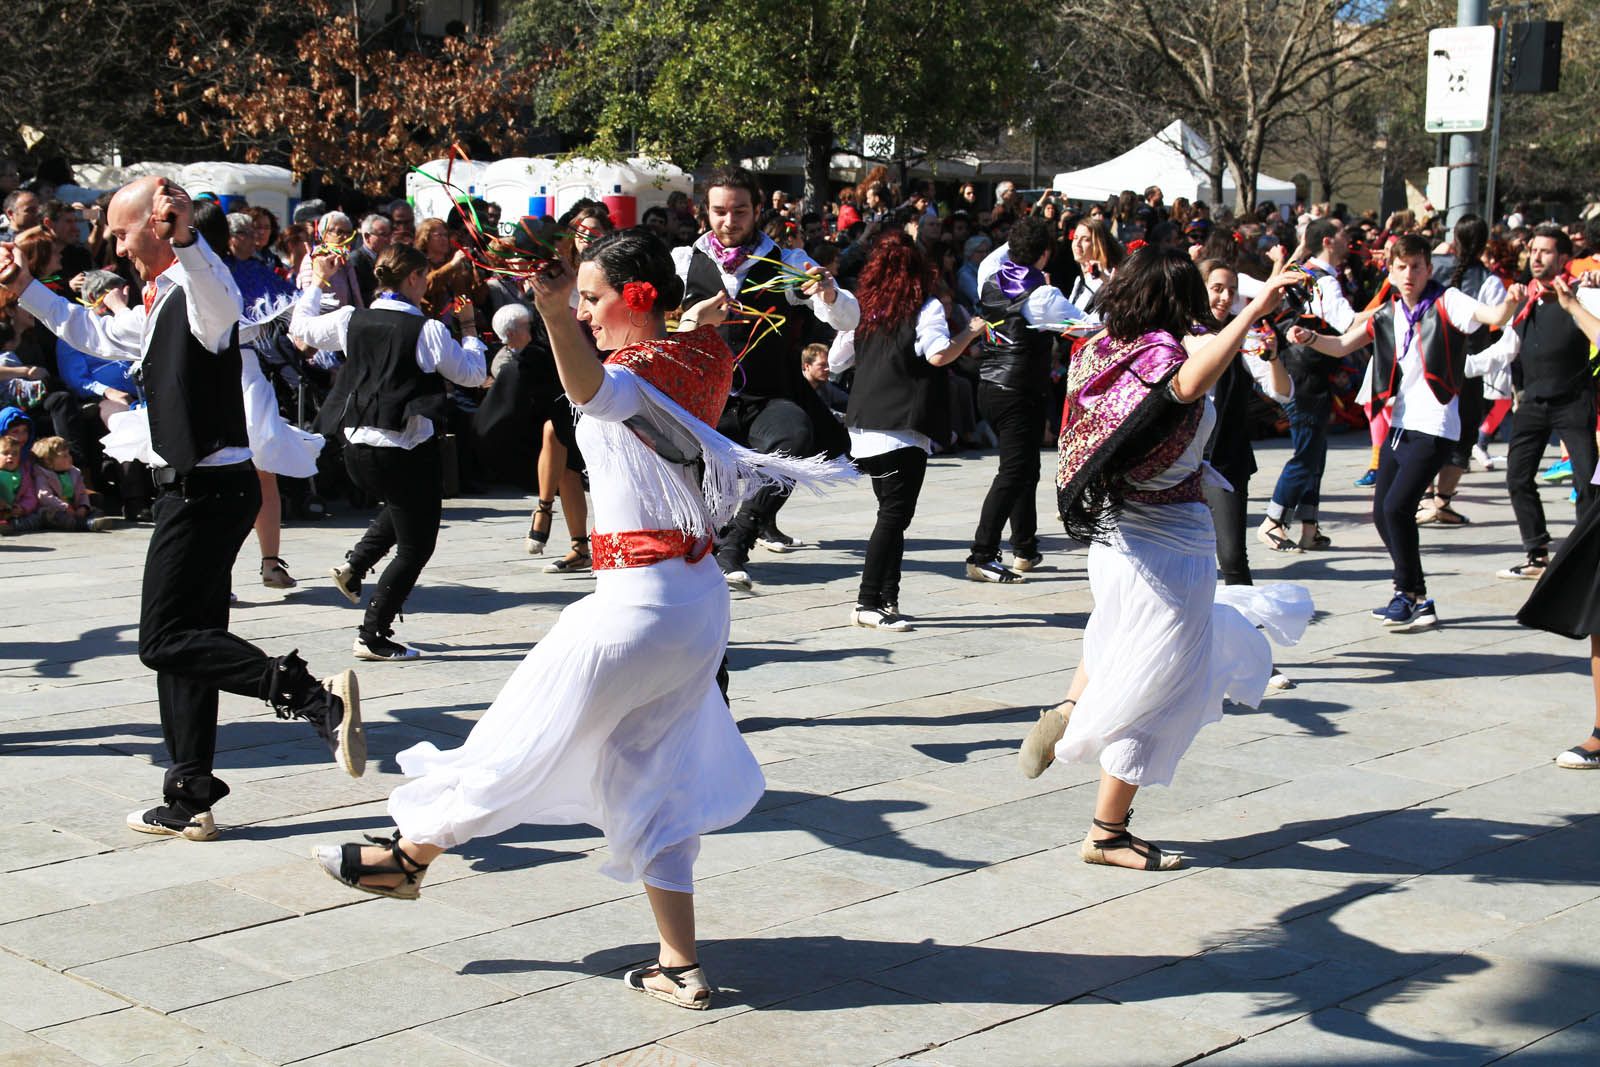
x=332 y=706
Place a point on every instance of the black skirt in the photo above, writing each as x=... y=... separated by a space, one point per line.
x=1566 y=600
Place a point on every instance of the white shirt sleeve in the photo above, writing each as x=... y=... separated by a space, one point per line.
x=1331 y=305
x=1460 y=307
x=438 y=352
x=107 y=337
x=842 y=353
x=990 y=264
x=310 y=327
x=1046 y=305
x=680 y=261
x=619 y=397
x=1497 y=358
x=845 y=311
x=1589 y=297
x=1492 y=291
x=933 y=331
x=212 y=296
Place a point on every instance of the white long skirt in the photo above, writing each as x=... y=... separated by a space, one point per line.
x=1165 y=644
x=613 y=720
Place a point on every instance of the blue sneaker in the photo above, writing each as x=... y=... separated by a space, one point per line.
x=1557 y=472
x=1572 y=497
x=1408 y=616
x=1400 y=603
x=1367 y=480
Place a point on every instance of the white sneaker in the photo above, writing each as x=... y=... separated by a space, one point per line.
x=738 y=579
x=1279 y=680
x=878 y=619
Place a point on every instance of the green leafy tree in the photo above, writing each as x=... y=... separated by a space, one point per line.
x=691 y=79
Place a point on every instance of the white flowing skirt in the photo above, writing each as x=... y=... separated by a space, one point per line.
x=1165 y=644
x=613 y=720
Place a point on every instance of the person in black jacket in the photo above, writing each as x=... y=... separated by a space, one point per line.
x=391 y=390
x=208 y=498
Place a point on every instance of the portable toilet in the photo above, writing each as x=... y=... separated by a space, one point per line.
x=626 y=188
x=521 y=185
x=429 y=199
x=238 y=184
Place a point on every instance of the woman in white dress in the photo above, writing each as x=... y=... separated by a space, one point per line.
x=615 y=718
x=1164 y=644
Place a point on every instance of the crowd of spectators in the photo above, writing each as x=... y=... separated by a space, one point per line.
x=60 y=393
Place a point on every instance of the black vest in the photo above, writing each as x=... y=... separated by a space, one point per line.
x=195 y=395
x=896 y=389
x=1309 y=370
x=1443 y=349
x=1021 y=361
x=386 y=387
x=1229 y=449
x=772 y=367
x=1554 y=355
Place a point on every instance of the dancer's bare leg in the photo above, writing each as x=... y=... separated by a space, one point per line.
x=674 y=914
x=1592 y=744
x=269 y=520
x=574 y=508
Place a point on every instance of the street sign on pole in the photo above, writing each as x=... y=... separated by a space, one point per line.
x=1460 y=74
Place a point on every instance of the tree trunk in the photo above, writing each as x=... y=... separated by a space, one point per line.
x=819 y=154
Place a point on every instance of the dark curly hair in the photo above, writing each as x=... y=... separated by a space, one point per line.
x=894 y=284
x=1155 y=289
x=637 y=255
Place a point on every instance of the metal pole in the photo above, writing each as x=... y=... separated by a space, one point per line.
x=1499 y=90
x=1463 y=186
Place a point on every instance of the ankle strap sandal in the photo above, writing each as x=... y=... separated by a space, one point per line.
x=576 y=559
x=689 y=986
x=343 y=863
x=1094 y=849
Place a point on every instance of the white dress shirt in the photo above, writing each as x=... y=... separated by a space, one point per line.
x=437 y=353
x=1045 y=305
x=843 y=314
x=213 y=305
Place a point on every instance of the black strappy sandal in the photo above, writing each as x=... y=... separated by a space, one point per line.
x=689 y=986
x=343 y=863
x=538 y=538
x=575 y=561
x=1094 y=851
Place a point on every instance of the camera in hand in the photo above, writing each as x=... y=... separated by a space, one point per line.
x=1297 y=301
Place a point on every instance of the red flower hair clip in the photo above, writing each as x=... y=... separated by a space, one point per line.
x=639 y=296
x=1135 y=244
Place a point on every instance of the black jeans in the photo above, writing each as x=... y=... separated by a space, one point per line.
x=1471 y=408
x=897 y=482
x=183 y=623
x=410 y=483
x=1407 y=465
x=1536 y=420
x=1017 y=418
x=765 y=425
x=1228 y=516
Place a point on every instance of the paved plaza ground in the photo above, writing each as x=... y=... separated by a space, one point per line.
x=1387 y=867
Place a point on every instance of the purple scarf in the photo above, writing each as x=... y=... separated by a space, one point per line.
x=1413 y=316
x=1015 y=279
x=728 y=258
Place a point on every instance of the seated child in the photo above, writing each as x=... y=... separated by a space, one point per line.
x=63 y=497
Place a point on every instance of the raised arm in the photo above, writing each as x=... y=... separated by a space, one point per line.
x=1207 y=362
x=1587 y=321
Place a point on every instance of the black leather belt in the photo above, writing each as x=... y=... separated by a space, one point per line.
x=168 y=478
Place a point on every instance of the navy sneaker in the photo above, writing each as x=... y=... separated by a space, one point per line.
x=1398 y=604
x=1410 y=616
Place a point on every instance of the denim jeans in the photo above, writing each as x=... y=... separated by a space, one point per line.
x=1299 y=488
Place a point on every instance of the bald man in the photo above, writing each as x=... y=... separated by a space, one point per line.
x=186 y=335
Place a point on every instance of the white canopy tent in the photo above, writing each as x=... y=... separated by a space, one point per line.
x=1175 y=160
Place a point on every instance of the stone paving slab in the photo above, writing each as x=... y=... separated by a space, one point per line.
x=1386 y=867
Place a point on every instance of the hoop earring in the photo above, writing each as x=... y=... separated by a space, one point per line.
x=634 y=320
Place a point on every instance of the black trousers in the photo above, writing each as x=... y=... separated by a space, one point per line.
x=410 y=485
x=897 y=482
x=1228 y=516
x=1407 y=465
x=1017 y=418
x=1470 y=406
x=1573 y=422
x=765 y=425
x=183 y=623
